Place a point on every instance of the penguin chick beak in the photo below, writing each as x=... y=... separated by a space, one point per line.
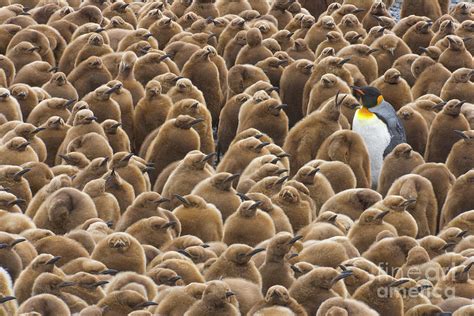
x=104 y=161
x=127 y=157
x=100 y=283
x=165 y=56
x=242 y=196
x=16 y=202
x=17 y=241
x=91 y=118
x=6 y=299
x=294 y=239
x=169 y=224
x=262 y=144
x=175 y=279
x=145 y=304
x=255 y=251
x=54 y=260
x=313 y=172
x=398 y=282
x=161 y=200
x=182 y=199
x=439 y=106
x=462 y=234
x=344 y=61
x=468 y=267
x=208 y=157
x=19 y=174
x=66 y=284
x=255 y=205
x=461 y=134
x=447 y=245
x=109 y=272
x=281 y=106
x=23 y=146
x=342 y=275
x=232 y=177
x=295 y=269
x=196 y=121
x=282 y=179
x=382 y=215
x=38 y=129
x=229 y=294
x=358 y=10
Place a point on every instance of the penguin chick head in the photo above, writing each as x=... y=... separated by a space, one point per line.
x=196 y=160
x=277 y=295
x=17 y=144
x=186 y=121
x=280 y=244
x=111 y=126
x=453 y=107
x=455 y=42
x=289 y=194
x=223 y=180
x=119 y=241
x=241 y=254
x=248 y=208
x=4 y=94
x=217 y=294
x=153 y=88
x=149 y=200
x=463 y=75
x=392 y=76
x=369 y=96
x=459 y=274
x=372 y=217
x=8 y=200
x=44 y=262
x=397 y=203
x=50 y=283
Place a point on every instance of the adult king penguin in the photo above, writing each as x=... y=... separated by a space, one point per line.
x=377 y=122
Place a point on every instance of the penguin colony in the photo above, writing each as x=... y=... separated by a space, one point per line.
x=236 y=157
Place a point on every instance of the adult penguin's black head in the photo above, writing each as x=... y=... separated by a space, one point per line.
x=368 y=96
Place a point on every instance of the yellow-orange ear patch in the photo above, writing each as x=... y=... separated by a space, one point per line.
x=364 y=114
x=379 y=99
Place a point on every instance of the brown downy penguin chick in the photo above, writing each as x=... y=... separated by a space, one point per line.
x=125 y=101
x=419 y=35
x=442 y=136
x=351 y=202
x=94 y=46
x=278 y=296
x=266 y=116
x=273 y=67
x=34 y=74
x=188 y=173
x=323 y=90
x=92 y=145
x=292 y=83
x=430 y=9
x=10 y=107
x=93 y=67
x=361 y=56
x=204 y=73
x=55 y=212
x=455 y=203
x=280 y=220
x=459 y=86
x=121 y=189
x=423 y=68
x=457 y=280
x=372 y=223
x=315 y=287
x=12 y=179
x=236 y=262
x=17 y=151
x=218 y=190
x=54 y=284
x=39 y=175
x=193 y=213
x=459 y=160
x=44 y=304
x=116 y=136
x=200 y=111
x=123 y=302
x=179 y=299
x=424 y=209
x=390 y=48
x=23 y=53
x=317 y=33
x=402 y=160
x=164 y=29
x=254 y=220
x=233 y=48
x=173 y=129
x=389 y=304
x=276 y=270
x=253 y=51
x=300 y=50
x=103 y=106
x=350 y=22
x=334 y=39
x=154 y=231
x=153 y=64
x=15 y=223
x=49 y=107
x=28 y=132
x=298 y=210
x=53 y=134
x=398 y=216
x=378 y=14
x=456 y=55
x=338 y=147
x=418 y=266
x=416 y=128
x=394 y=88
x=228 y=121
x=150 y=112
x=10 y=203
x=26 y=97
x=87 y=287
x=247 y=149
x=130 y=171
x=319 y=187
x=120 y=251
x=59 y=87
x=344 y=306
x=127 y=77
x=313 y=129
x=105 y=203
x=403 y=65
x=216 y=300
x=184 y=89
x=94 y=170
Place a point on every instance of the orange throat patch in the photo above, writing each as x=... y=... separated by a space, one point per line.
x=364 y=114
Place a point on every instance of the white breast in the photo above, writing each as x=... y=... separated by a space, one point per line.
x=377 y=138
